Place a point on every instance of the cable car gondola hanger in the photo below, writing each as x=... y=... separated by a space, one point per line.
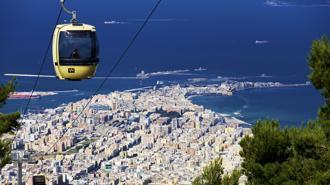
x=75 y=49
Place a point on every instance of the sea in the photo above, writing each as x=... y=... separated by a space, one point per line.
x=237 y=39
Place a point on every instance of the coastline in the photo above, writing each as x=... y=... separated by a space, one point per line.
x=111 y=117
x=143 y=121
x=290 y=105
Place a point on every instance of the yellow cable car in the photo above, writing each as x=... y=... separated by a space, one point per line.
x=75 y=50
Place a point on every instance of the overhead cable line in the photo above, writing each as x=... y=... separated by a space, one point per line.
x=119 y=60
x=39 y=72
x=36 y=83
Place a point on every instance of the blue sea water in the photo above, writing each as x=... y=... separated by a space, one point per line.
x=292 y=106
x=219 y=35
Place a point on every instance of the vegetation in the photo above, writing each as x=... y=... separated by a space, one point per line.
x=290 y=156
x=294 y=155
x=231 y=179
x=212 y=174
x=5 y=90
x=7 y=122
x=5 y=156
x=286 y=156
x=319 y=62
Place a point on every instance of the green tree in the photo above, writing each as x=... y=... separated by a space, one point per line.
x=231 y=179
x=5 y=90
x=5 y=149
x=8 y=122
x=212 y=174
x=319 y=62
x=285 y=156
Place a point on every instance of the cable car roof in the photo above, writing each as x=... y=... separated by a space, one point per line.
x=77 y=27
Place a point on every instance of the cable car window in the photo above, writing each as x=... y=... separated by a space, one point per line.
x=78 y=48
x=76 y=44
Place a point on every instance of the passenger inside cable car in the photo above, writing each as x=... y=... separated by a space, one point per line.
x=78 y=48
x=75 y=54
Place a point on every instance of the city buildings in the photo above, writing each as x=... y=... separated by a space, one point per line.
x=155 y=136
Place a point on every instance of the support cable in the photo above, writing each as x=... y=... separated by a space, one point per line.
x=119 y=60
x=39 y=72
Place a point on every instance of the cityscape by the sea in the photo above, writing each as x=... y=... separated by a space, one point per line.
x=197 y=78
x=135 y=136
x=264 y=36
x=292 y=106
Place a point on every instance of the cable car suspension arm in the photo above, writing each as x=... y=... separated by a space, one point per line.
x=73 y=13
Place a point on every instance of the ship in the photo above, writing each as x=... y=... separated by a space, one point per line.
x=142 y=75
x=200 y=69
x=262 y=42
x=23 y=95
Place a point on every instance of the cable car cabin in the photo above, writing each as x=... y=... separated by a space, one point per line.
x=75 y=51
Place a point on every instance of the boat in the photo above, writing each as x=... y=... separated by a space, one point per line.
x=23 y=95
x=142 y=75
x=200 y=69
x=262 y=42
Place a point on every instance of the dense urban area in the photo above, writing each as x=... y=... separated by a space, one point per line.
x=153 y=135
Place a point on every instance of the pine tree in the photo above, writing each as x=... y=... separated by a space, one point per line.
x=212 y=174
x=294 y=155
x=8 y=122
x=285 y=156
x=232 y=179
x=319 y=62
